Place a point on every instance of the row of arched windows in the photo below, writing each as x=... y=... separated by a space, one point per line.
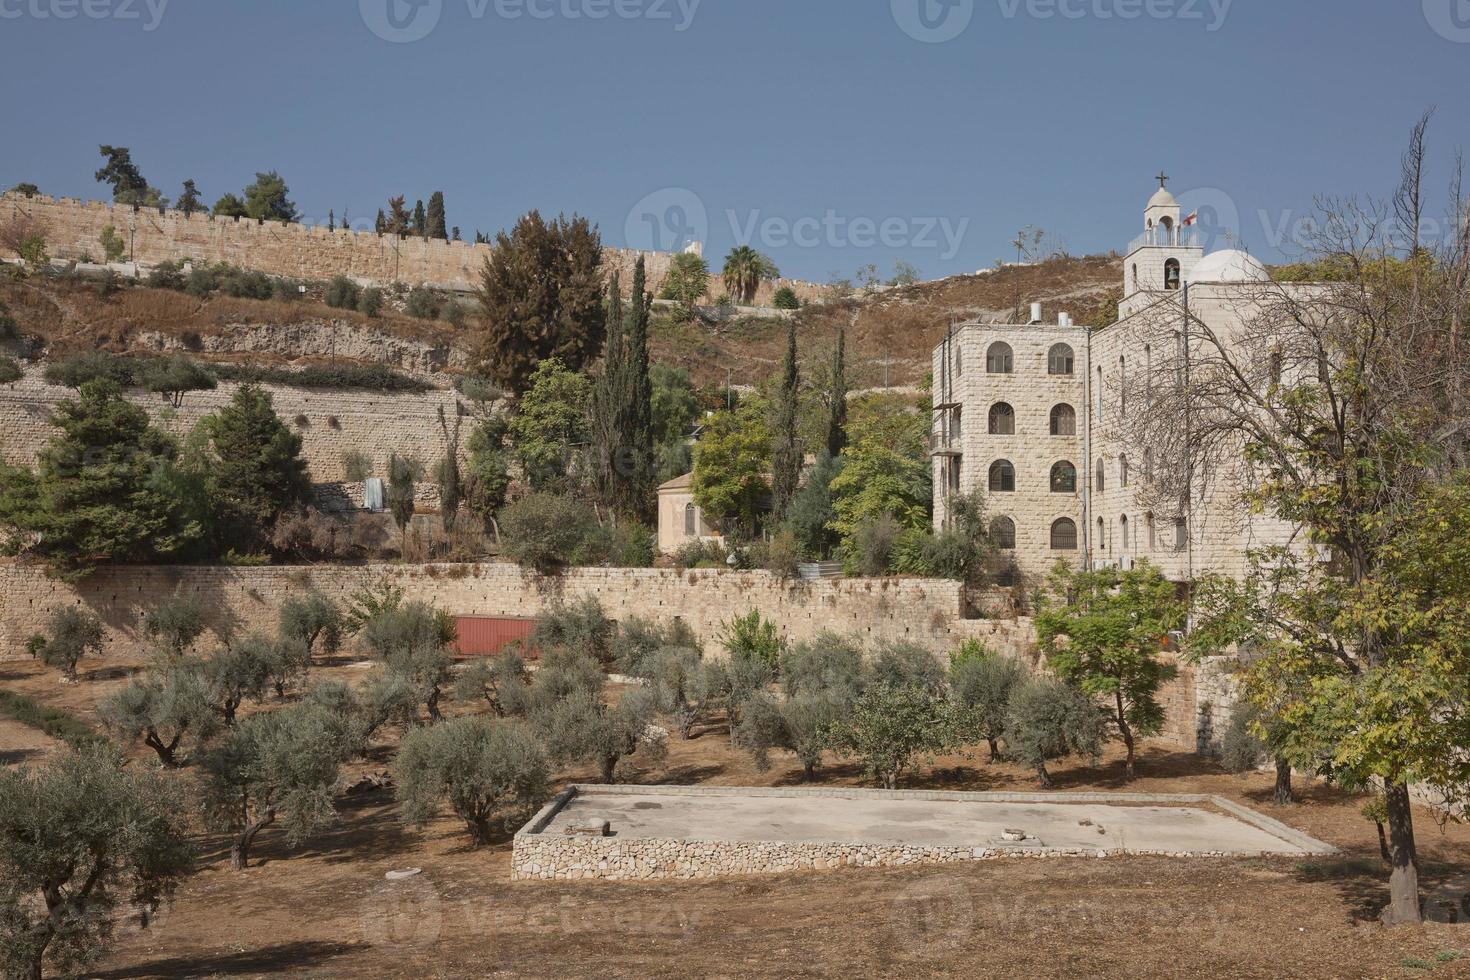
x=1000 y=358
x=1003 y=420
x=1063 y=534
x=1125 y=535
x=1003 y=477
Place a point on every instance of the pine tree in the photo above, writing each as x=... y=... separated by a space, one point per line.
x=436 y=217
x=381 y=225
x=255 y=468
x=188 y=201
x=786 y=448
x=837 y=419
x=420 y=219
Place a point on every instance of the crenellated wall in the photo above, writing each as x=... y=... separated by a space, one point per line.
x=73 y=229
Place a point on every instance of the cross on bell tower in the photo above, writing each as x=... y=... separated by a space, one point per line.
x=1163 y=179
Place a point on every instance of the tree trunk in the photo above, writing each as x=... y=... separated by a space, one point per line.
x=166 y=752
x=994 y=749
x=1127 y=737
x=809 y=771
x=1403 y=882
x=433 y=705
x=1043 y=777
x=479 y=830
x=609 y=764
x=240 y=849
x=1284 y=795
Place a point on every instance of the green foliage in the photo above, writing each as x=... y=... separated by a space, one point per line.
x=70 y=633
x=502 y=682
x=128 y=185
x=583 y=728
x=412 y=640
x=342 y=293
x=674 y=674
x=26 y=188
x=981 y=684
x=804 y=725
x=189 y=200
x=356 y=466
x=786 y=451
x=436 y=218
x=271 y=770
x=753 y=637
x=730 y=470
x=314 y=620
x=229 y=206
x=365 y=604
x=837 y=399
x=545 y=532
x=785 y=299
x=902 y=664
x=621 y=545
x=81 y=837
x=344 y=377
x=52 y=721
x=1047 y=720
x=254 y=469
x=423 y=304
x=493 y=774
x=244 y=670
x=686 y=282
x=674 y=410
x=541 y=298
x=370 y=302
x=1241 y=749
x=810 y=516
x=581 y=627
x=175 y=624
x=106 y=488
x=1103 y=631
x=550 y=425
x=745 y=269
x=828 y=665
x=889 y=728
x=870 y=550
x=620 y=408
x=265 y=199
x=176 y=376
x=161 y=708
x=113 y=247
x=400 y=496
x=487 y=470
x=887 y=472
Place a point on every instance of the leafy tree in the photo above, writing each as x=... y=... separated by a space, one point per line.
x=106 y=487
x=70 y=633
x=79 y=837
x=898 y=663
x=420 y=220
x=503 y=682
x=730 y=470
x=785 y=298
x=887 y=471
x=583 y=728
x=265 y=199
x=384 y=595
x=541 y=297
x=230 y=206
x=128 y=185
x=491 y=772
x=805 y=725
x=904 y=274
x=1103 y=632
x=175 y=623
x=239 y=671
x=980 y=696
x=113 y=247
x=370 y=301
x=753 y=636
x=550 y=427
x=829 y=664
x=26 y=189
x=412 y=642
x=889 y=728
x=687 y=282
x=745 y=270
x=435 y=217
x=380 y=225
x=674 y=675
x=189 y=201
x=269 y=769
x=161 y=708
x=786 y=453
x=811 y=513
x=545 y=532
x=177 y=376
x=674 y=408
x=312 y=619
x=1049 y=719
x=400 y=221
x=255 y=468
x=487 y=470
x=581 y=626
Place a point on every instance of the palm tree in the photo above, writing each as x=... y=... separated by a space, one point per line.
x=745 y=270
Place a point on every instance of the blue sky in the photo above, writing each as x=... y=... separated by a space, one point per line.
x=819 y=130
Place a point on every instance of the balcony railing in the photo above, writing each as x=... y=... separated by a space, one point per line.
x=1177 y=238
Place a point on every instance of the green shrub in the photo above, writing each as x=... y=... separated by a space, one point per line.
x=827 y=664
x=77 y=369
x=889 y=728
x=870 y=550
x=167 y=275
x=785 y=299
x=623 y=545
x=544 y=531
x=113 y=247
x=980 y=686
x=581 y=627
x=704 y=553
x=347 y=377
x=10 y=371
x=201 y=282
x=902 y=664
x=52 y=721
x=70 y=634
x=370 y=303
x=1241 y=750
x=342 y=293
x=423 y=304
x=751 y=636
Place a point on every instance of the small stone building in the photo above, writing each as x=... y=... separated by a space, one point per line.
x=680 y=519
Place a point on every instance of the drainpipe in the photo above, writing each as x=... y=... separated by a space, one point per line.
x=1086 y=470
x=1189 y=528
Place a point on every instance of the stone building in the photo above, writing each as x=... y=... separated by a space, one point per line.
x=1036 y=417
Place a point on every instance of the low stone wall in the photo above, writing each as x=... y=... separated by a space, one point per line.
x=538 y=855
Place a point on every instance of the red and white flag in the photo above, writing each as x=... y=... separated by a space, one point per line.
x=1193 y=217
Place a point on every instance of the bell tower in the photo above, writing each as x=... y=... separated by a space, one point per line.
x=1161 y=258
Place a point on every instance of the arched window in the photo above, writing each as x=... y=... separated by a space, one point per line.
x=1148 y=375
x=1102 y=535
x=1153 y=532
x=1181 y=534
x=1123 y=385
x=1060 y=360
x=691 y=521
x=1102 y=476
x=999 y=359
x=959 y=360
x=1123 y=470
x=1171 y=274
x=1064 y=478
x=1002 y=477
x=1135 y=276
x=1003 y=533
x=1276 y=363
x=1002 y=420
x=1064 y=535
x=1123 y=531
x=1063 y=420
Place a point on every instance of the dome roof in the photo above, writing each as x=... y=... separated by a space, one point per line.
x=1162 y=199
x=1229 y=265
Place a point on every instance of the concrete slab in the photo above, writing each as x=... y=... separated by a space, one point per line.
x=926 y=820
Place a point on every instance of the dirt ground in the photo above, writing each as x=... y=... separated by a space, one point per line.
x=326 y=910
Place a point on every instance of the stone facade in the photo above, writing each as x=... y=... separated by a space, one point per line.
x=337 y=422
x=303 y=251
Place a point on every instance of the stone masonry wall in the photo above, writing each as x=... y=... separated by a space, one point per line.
x=373 y=423
x=300 y=251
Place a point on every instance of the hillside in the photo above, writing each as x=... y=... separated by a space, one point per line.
x=898 y=326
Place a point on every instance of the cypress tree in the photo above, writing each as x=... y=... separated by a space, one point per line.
x=837 y=420
x=622 y=406
x=420 y=219
x=437 y=228
x=786 y=456
x=381 y=225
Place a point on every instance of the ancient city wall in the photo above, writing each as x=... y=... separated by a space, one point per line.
x=73 y=229
x=337 y=422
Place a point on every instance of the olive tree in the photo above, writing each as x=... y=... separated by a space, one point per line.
x=980 y=695
x=1048 y=720
x=70 y=633
x=412 y=641
x=502 y=681
x=161 y=708
x=490 y=772
x=582 y=727
x=271 y=768
x=175 y=623
x=79 y=837
x=313 y=618
x=889 y=728
x=805 y=725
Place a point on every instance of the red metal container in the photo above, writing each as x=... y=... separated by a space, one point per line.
x=487 y=636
